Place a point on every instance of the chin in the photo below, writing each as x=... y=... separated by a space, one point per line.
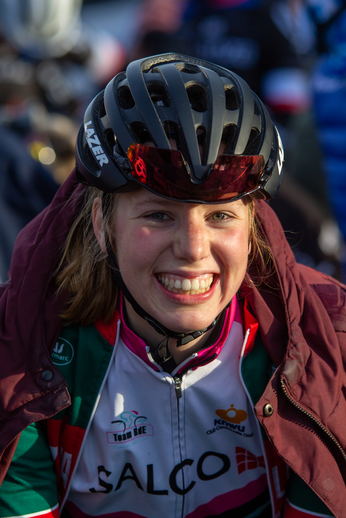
x=187 y=325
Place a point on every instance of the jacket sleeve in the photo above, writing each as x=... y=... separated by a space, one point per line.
x=30 y=486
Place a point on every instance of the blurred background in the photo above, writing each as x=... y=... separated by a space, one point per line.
x=56 y=55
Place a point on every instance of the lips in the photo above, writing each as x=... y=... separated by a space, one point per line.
x=186 y=286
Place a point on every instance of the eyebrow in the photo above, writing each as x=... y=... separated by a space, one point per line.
x=155 y=203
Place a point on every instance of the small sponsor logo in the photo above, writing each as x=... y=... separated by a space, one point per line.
x=231 y=420
x=140 y=168
x=95 y=144
x=232 y=415
x=129 y=427
x=247 y=460
x=63 y=352
x=281 y=153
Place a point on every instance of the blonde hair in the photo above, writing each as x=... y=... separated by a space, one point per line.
x=260 y=260
x=84 y=270
x=86 y=273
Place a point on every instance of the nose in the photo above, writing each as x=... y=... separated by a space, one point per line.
x=192 y=240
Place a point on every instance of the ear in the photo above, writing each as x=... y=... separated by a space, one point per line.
x=97 y=217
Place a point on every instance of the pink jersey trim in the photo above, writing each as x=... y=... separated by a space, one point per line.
x=231 y=500
x=138 y=346
x=233 y=314
x=132 y=341
x=77 y=513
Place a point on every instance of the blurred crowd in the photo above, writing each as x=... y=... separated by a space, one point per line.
x=55 y=55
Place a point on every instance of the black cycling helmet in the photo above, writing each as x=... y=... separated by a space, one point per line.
x=185 y=129
x=201 y=107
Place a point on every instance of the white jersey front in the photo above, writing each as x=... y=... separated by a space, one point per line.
x=168 y=445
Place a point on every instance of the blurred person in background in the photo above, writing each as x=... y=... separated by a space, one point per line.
x=270 y=44
x=26 y=188
x=69 y=59
x=258 y=39
x=329 y=100
x=51 y=64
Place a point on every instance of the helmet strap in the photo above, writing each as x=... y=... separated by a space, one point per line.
x=182 y=338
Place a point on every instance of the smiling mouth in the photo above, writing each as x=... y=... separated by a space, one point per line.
x=186 y=286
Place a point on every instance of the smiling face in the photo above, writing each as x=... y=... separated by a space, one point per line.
x=182 y=262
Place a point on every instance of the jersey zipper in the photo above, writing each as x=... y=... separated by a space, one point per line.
x=311 y=416
x=178 y=393
x=177 y=384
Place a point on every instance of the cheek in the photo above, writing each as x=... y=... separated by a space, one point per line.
x=135 y=248
x=236 y=251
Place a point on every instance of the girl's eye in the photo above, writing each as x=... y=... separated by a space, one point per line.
x=219 y=216
x=157 y=216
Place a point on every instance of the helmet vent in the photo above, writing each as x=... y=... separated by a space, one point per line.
x=141 y=133
x=158 y=95
x=102 y=111
x=257 y=109
x=188 y=69
x=232 y=98
x=125 y=98
x=229 y=136
x=201 y=133
x=197 y=97
x=171 y=130
x=253 y=144
x=109 y=138
x=173 y=133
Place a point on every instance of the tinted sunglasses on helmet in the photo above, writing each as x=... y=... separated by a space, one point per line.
x=165 y=172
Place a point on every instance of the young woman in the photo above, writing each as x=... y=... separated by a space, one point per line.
x=163 y=354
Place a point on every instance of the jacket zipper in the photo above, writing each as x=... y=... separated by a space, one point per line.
x=315 y=420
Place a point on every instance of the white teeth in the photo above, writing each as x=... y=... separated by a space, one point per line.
x=186 y=285
x=195 y=285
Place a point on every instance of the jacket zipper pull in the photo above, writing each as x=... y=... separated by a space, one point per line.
x=177 y=382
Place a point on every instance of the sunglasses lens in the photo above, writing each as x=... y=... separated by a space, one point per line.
x=165 y=172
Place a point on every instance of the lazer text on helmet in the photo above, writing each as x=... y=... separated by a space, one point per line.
x=95 y=144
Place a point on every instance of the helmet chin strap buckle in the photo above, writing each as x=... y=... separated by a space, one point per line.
x=161 y=353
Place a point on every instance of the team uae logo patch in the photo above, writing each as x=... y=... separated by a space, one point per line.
x=129 y=426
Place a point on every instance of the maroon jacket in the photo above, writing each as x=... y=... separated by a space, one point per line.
x=302 y=318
